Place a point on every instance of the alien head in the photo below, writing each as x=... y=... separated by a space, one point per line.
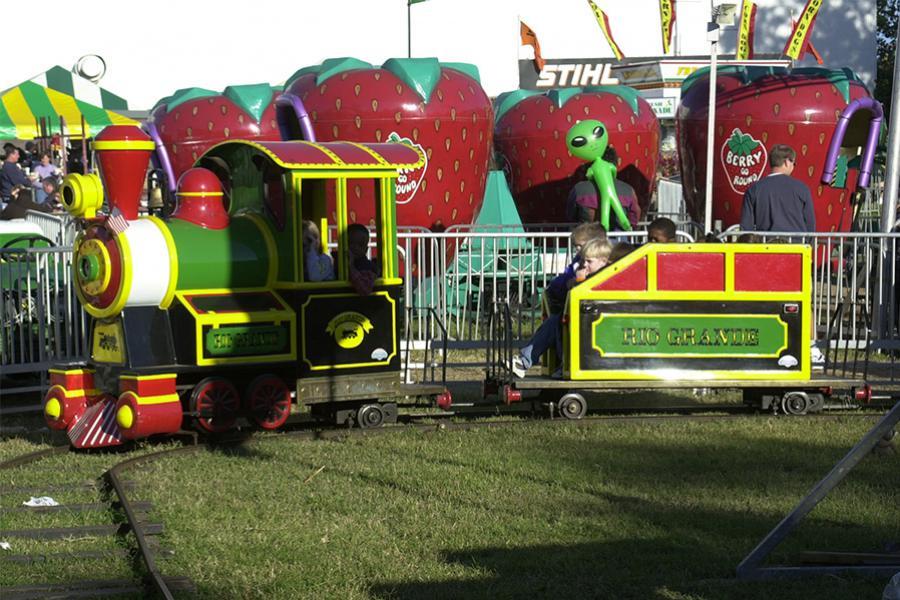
x=587 y=139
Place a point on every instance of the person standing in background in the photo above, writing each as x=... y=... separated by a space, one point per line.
x=779 y=202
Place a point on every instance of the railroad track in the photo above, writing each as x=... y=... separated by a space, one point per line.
x=97 y=527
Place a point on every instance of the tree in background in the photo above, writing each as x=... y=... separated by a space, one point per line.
x=888 y=11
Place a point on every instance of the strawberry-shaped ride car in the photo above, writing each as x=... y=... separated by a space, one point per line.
x=757 y=107
x=530 y=135
x=192 y=120
x=437 y=107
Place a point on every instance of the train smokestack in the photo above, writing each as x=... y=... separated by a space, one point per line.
x=123 y=153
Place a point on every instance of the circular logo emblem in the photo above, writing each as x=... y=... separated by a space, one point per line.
x=349 y=329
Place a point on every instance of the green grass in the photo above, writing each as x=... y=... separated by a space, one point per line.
x=618 y=510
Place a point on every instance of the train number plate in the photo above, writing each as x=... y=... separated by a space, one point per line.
x=246 y=340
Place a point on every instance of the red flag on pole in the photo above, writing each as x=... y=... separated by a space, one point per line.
x=529 y=38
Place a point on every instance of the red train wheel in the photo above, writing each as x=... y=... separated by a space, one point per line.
x=216 y=402
x=269 y=401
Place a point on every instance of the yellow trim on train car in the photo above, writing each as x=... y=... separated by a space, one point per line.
x=149 y=377
x=343 y=272
x=338 y=163
x=217 y=320
x=331 y=284
x=349 y=365
x=295 y=217
x=689 y=375
x=199 y=194
x=124 y=145
x=271 y=247
x=149 y=400
x=166 y=302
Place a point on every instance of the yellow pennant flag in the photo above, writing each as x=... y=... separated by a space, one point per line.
x=603 y=21
x=746 y=31
x=799 y=38
x=667 y=21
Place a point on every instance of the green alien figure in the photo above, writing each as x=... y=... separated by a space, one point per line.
x=588 y=140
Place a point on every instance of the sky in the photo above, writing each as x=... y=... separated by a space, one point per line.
x=153 y=49
x=149 y=54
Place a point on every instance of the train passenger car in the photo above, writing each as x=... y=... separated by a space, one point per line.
x=210 y=314
x=685 y=316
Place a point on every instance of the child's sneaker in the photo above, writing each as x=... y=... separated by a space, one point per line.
x=517 y=366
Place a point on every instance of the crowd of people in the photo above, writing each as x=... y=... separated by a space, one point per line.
x=29 y=180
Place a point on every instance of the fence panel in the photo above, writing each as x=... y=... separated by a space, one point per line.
x=60 y=229
x=459 y=273
x=41 y=321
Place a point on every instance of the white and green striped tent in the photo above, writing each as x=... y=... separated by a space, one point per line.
x=54 y=93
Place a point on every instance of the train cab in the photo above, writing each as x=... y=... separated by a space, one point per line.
x=346 y=294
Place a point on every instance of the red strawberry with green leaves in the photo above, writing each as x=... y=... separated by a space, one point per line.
x=744 y=160
x=771 y=105
x=530 y=136
x=440 y=107
x=192 y=120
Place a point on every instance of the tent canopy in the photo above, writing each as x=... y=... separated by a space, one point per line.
x=54 y=94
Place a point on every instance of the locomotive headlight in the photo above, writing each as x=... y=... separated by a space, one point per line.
x=82 y=195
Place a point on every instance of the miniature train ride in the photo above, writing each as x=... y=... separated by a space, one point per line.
x=683 y=316
x=208 y=315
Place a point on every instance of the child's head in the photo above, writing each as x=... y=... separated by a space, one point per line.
x=661 y=231
x=357 y=240
x=749 y=238
x=586 y=232
x=49 y=185
x=595 y=255
x=619 y=251
x=311 y=238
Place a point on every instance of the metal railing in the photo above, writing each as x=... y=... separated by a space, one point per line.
x=41 y=321
x=58 y=228
x=460 y=273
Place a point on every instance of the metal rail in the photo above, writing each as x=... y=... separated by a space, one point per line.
x=750 y=567
x=131 y=510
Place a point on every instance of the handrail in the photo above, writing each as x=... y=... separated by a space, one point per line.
x=868 y=155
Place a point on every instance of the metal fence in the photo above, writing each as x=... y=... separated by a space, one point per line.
x=41 y=321
x=460 y=273
x=58 y=228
